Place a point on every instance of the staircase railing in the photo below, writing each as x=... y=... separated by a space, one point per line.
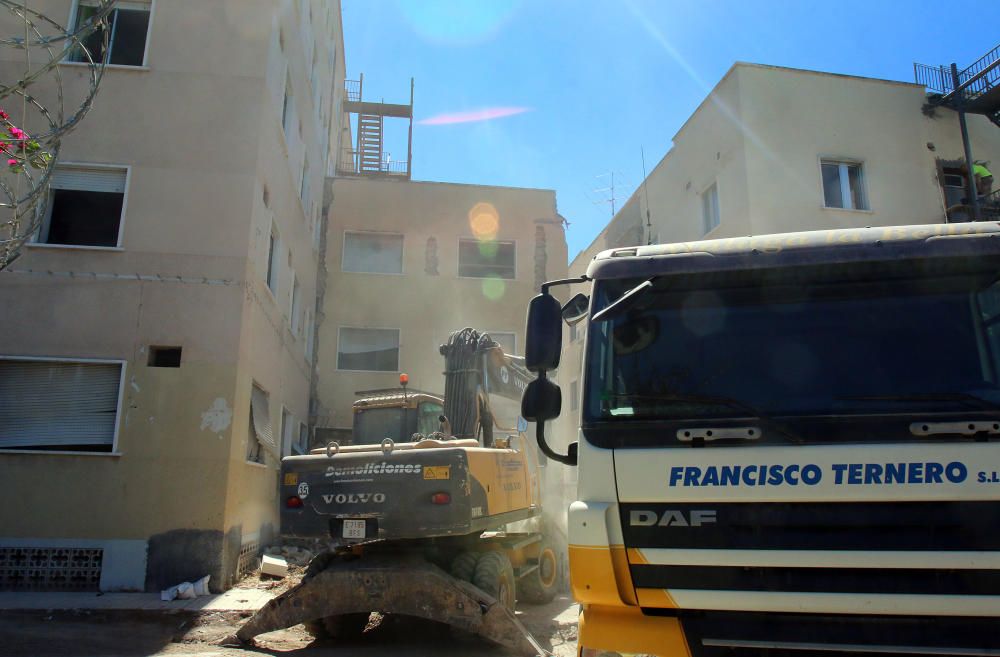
x=989 y=206
x=988 y=73
x=978 y=78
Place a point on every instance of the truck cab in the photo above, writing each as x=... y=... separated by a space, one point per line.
x=788 y=445
x=394 y=413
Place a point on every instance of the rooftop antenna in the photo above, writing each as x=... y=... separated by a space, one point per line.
x=610 y=189
x=645 y=193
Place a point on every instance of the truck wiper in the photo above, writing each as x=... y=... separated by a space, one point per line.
x=624 y=302
x=752 y=412
x=968 y=398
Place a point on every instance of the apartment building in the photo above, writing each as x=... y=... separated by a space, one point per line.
x=409 y=262
x=158 y=332
x=775 y=149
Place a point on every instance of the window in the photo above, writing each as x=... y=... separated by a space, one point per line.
x=843 y=185
x=373 y=253
x=709 y=209
x=164 y=357
x=129 y=23
x=273 y=249
x=317 y=227
x=304 y=186
x=86 y=205
x=428 y=414
x=59 y=405
x=310 y=335
x=313 y=72
x=574 y=395
x=295 y=307
x=287 y=431
x=506 y=339
x=374 y=350
x=303 y=444
x=486 y=259
x=287 y=106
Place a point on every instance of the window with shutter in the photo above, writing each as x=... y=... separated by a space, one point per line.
x=261 y=436
x=58 y=405
x=85 y=206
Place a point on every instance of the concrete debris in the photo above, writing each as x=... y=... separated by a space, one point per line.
x=186 y=590
x=273 y=566
x=297 y=556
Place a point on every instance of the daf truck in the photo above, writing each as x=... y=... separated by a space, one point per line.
x=787 y=444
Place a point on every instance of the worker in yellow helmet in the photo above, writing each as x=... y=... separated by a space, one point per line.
x=984 y=179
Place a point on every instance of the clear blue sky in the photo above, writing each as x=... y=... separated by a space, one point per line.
x=595 y=81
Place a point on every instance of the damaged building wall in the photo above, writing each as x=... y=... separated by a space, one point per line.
x=423 y=296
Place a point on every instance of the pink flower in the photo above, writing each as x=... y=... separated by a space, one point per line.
x=17 y=132
x=12 y=162
x=4 y=115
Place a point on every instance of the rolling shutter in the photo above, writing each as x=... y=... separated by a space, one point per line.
x=89 y=179
x=52 y=404
x=262 y=419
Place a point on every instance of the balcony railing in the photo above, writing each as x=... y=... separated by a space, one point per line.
x=350 y=165
x=353 y=89
x=937 y=79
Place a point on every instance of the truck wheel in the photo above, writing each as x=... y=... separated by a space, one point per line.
x=540 y=585
x=495 y=575
x=464 y=566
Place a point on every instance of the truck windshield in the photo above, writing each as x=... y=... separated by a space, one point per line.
x=783 y=346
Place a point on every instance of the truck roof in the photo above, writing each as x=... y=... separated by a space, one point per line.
x=816 y=247
x=393 y=397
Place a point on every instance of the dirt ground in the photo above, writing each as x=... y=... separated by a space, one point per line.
x=133 y=634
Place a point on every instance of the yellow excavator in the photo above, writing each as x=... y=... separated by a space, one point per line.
x=434 y=510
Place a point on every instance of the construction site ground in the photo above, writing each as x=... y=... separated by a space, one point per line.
x=108 y=628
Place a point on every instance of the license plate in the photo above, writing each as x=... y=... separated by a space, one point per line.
x=354 y=529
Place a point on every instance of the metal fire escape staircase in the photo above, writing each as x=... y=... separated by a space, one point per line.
x=368 y=156
x=973 y=90
x=370 y=143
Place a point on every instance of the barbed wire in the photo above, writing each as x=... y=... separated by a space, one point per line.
x=33 y=112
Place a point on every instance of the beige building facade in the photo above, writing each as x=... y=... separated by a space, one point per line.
x=410 y=262
x=158 y=333
x=775 y=149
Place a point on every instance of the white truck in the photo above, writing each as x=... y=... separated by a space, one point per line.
x=787 y=444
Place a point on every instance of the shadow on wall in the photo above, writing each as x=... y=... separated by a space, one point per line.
x=185 y=555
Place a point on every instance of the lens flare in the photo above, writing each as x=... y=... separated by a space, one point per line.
x=473 y=116
x=457 y=23
x=484 y=220
x=494 y=288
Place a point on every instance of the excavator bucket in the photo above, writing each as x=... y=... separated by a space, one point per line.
x=403 y=585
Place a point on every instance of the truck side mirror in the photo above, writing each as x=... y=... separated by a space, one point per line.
x=543 y=335
x=576 y=308
x=542 y=401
